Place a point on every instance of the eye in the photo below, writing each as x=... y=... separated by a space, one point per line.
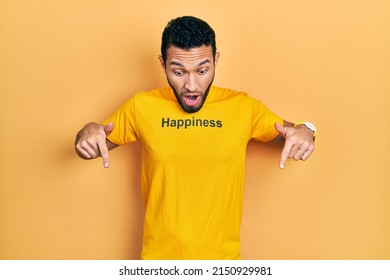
x=178 y=73
x=202 y=71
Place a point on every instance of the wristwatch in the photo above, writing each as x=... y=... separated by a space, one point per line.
x=309 y=125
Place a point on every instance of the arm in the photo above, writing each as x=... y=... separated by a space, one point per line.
x=297 y=141
x=91 y=142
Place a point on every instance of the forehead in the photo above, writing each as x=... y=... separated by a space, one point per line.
x=189 y=56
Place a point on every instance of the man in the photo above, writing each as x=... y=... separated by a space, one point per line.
x=193 y=137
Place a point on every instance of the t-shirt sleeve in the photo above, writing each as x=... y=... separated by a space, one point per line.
x=263 y=122
x=124 y=120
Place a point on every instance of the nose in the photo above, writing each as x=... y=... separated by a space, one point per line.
x=191 y=83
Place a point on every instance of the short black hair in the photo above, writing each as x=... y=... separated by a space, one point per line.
x=187 y=32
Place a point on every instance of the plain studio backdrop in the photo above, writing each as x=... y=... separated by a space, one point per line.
x=65 y=63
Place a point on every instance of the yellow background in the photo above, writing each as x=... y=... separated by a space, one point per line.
x=65 y=63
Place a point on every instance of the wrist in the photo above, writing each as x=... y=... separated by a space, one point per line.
x=309 y=126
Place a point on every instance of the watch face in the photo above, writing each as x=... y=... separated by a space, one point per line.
x=311 y=126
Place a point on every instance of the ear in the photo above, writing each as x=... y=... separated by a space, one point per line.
x=216 y=58
x=161 y=61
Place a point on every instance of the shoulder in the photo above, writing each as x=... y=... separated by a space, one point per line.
x=220 y=93
x=158 y=93
x=240 y=98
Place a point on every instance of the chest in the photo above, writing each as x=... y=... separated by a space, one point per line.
x=216 y=132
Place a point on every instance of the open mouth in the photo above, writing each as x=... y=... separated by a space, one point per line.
x=191 y=100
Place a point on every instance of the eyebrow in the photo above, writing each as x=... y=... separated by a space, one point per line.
x=181 y=65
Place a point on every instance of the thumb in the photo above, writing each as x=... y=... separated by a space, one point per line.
x=108 y=128
x=281 y=129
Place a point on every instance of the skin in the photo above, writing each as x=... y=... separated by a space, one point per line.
x=190 y=73
x=91 y=142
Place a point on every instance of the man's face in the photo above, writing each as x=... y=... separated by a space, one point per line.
x=190 y=74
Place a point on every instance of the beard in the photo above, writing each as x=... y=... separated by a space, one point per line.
x=187 y=108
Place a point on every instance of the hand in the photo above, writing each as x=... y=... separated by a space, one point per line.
x=299 y=142
x=91 y=142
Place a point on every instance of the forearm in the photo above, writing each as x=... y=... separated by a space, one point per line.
x=287 y=123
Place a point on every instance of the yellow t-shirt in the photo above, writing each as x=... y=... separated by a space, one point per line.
x=192 y=169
